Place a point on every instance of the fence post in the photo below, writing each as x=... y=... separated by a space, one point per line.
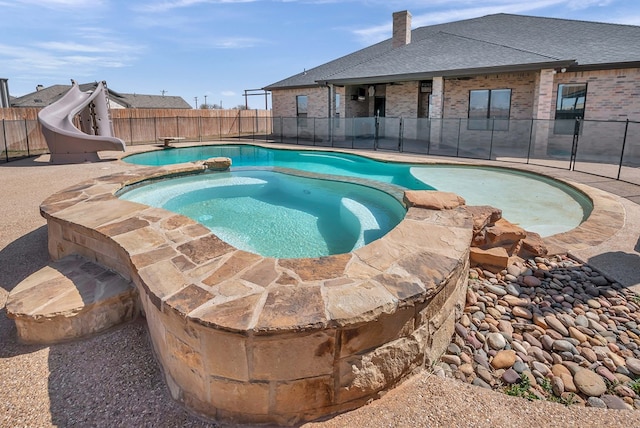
x=26 y=134
x=574 y=145
x=255 y=124
x=530 y=140
x=155 y=128
x=313 y=138
x=458 y=143
x=375 y=133
x=177 y=126
x=624 y=143
x=130 y=129
x=4 y=136
x=281 y=130
x=400 y=136
x=429 y=124
x=353 y=132
x=493 y=125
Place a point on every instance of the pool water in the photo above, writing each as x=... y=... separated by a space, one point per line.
x=535 y=203
x=275 y=214
x=312 y=161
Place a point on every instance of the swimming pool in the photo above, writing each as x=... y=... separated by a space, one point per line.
x=275 y=214
x=534 y=202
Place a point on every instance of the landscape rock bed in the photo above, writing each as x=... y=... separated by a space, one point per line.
x=550 y=328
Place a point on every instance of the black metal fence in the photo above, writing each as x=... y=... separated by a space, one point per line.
x=604 y=148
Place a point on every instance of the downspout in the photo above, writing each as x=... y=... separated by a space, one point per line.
x=329 y=111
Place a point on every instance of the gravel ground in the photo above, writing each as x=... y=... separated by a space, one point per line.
x=113 y=379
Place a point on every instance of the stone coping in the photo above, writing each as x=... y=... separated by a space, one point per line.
x=181 y=265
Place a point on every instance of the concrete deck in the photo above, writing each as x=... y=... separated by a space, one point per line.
x=616 y=254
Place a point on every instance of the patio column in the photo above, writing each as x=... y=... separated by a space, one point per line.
x=543 y=94
x=542 y=110
x=436 y=111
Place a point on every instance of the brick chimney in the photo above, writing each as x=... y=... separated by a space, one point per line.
x=401 y=28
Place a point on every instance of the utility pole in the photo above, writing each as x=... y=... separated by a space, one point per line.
x=163 y=92
x=205 y=102
x=196 y=101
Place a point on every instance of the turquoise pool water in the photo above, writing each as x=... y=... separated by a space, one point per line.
x=312 y=161
x=536 y=203
x=275 y=214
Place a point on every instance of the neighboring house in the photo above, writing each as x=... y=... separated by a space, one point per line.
x=44 y=96
x=498 y=66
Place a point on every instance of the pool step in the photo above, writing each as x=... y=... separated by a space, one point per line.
x=68 y=299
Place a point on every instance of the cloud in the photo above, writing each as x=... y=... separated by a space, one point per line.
x=228 y=93
x=66 y=4
x=234 y=42
x=72 y=47
x=53 y=58
x=584 y=4
x=166 y=6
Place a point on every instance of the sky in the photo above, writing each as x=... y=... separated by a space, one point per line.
x=219 y=48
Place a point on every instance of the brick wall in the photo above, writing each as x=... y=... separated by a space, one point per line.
x=402 y=100
x=522 y=85
x=283 y=101
x=611 y=94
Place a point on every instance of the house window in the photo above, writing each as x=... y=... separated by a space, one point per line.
x=301 y=105
x=569 y=106
x=301 y=110
x=489 y=109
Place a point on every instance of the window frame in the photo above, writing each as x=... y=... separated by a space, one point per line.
x=487 y=121
x=305 y=105
x=565 y=124
x=302 y=115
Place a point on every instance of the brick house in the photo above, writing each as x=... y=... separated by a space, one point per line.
x=484 y=69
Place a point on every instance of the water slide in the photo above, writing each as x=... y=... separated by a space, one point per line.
x=67 y=143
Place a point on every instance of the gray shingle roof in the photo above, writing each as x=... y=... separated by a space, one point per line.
x=500 y=42
x=48 y=95
x=154 y=101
